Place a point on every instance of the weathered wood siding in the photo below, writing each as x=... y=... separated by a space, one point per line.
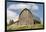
x=25 y=18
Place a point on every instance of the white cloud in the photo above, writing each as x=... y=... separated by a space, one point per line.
x=22 y=6
x=35 y=7
x=11 y=15
x=18 y=6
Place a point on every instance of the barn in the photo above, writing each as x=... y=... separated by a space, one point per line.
x=27 y=18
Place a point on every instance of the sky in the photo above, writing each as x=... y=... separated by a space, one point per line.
x=15 y=8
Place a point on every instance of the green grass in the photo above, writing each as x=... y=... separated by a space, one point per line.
x=19 y=27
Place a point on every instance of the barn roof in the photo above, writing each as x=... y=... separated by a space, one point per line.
x=34 y=17
x=25 y=10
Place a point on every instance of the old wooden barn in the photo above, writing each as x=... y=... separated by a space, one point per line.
x=26 y=18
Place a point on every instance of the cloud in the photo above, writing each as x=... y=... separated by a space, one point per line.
x=21 y=6
x=13 y=9
x=35 y=7
x=18 y=6
x=11 y=15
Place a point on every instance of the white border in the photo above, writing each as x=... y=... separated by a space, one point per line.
x=2 y=16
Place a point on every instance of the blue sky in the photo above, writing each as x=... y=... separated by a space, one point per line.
x=14 y=9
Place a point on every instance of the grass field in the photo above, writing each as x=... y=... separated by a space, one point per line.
x=19 y=27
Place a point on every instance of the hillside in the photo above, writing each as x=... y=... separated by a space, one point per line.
x=20 y=27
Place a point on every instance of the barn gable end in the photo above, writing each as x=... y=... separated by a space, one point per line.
x=25 y=18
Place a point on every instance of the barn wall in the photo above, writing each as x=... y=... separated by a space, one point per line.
x=26 y=18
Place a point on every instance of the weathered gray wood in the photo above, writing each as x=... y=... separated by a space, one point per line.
x=25 y=18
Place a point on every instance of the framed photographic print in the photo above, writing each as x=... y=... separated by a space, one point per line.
x=24 y=15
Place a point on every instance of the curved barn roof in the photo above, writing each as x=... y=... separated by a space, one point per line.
x=34 y=16
x=25 y=10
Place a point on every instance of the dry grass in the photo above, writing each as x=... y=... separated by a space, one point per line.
x=19 y=27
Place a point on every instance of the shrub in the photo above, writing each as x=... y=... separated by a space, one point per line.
x=10 y=22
